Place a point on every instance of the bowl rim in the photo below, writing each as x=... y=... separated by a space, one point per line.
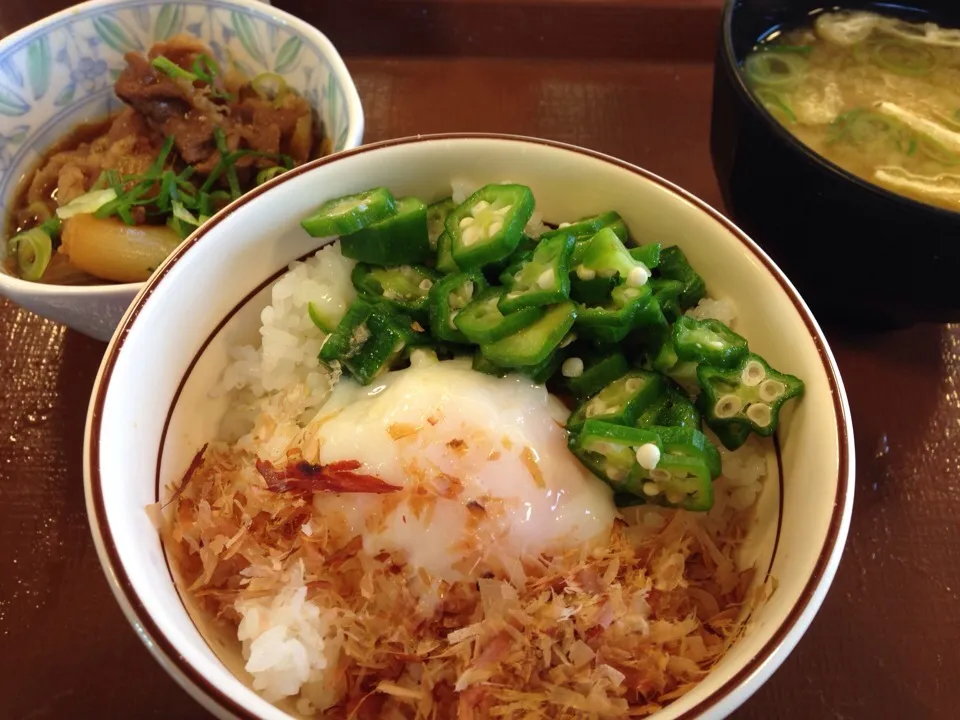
x=758 y=668
x=729 y=62
x=355 y=123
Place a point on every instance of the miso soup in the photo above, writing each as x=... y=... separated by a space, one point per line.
x=876 y=95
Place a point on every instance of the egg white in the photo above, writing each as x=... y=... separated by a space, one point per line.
x=483 y=464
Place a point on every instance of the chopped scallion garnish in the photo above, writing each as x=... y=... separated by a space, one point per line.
x=171 y=69
x=268 y=174
x=34 y=249
x=87 y=203
x=270 y=86
x=228 y=161
x=206 y=68
x=181 y=213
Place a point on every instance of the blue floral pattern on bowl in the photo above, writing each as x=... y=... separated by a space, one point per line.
x=50 y=82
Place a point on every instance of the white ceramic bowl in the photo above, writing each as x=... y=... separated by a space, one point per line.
x=60 y=71
x=150 y=410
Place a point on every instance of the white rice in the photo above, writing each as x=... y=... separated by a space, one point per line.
x=283 y=378
x=290 y=342
x=743 y=472
x=716 y=309
x=462 y=189
x=290 y=646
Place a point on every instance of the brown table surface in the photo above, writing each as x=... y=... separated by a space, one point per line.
x=887 y=640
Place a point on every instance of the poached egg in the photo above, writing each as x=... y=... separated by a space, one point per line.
x=482 y=464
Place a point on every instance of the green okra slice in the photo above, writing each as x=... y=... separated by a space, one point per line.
x=488 y=225
x=400 y=239
x=621 y=401
x=750 y=394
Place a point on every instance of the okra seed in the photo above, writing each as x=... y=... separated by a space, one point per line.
x=637 y=277
x=660 y=476
x=760 y=413
x=467 y=222
x=753 y=373
x=563 y=225
x=479 y=207
x=585 y=273
x=503 y=211
x=633 y=384
x=648 y=455
x=595 y=408
x=494 y=228
x=453 y=325
x=547 y=278
x=771 y=390
x=727 y=406
x=674 y=498
x=569 y=338
x=572 y=367
x=468 y=288
x=471 y=235
x=426 y=284
x=651 y=488
x=616 y=474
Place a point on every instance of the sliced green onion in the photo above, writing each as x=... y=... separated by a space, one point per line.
x=168 y=191
x=206 y=68
x=183 y=181
x=174 y=224
x=269 y=86
x=112 y=179
x=268 y=174
x=804 y=50
x=51 y=226
x=121 y=206
x=860 y=127
x=903 y=58
x=87 y=203
x=181 y=213
x=227 y=160
x=124 y=213
x=157 y=166
x=775 y=69
x=34 y=248
x=209 y=203
x=772 y=102
x=170 y=68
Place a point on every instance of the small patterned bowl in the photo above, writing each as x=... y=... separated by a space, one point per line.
x=60 y=71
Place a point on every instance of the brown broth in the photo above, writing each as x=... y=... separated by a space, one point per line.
x=83 y=133
x=59 y=271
